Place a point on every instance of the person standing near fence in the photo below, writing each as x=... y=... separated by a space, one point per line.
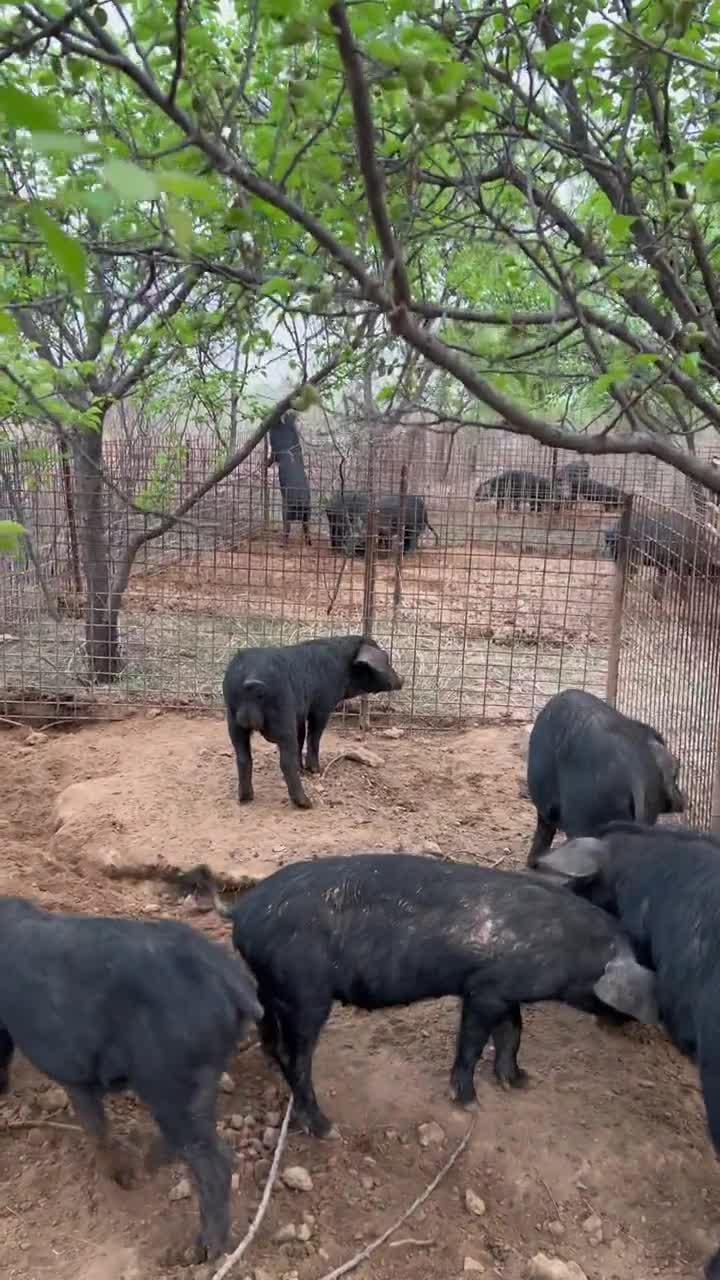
x=286 y=451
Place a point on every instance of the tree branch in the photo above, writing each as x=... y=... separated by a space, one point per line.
x=364 y=134
x=231 y=464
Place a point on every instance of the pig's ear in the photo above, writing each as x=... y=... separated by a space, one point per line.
x=371 y=655
x=579 y=861
x=628 y=987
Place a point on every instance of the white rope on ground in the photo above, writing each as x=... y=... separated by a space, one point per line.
x=371 y=1248
x=227 y=1266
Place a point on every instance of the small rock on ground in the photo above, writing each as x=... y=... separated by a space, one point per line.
x=544 y=1268
x=431 y=1134
x=363 y=755
x=288 y=1232
x=473 y=1267
x=54 y=1099
x=474 y=1204
x=592 y=1225
x=296 y=1178
x=181 y=1191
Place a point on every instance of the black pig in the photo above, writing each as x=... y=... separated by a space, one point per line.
x=671 y=543
x=588 y=765
x=102 y=1005
x=664 y=885
x=283 y=691
x=604 y=495
x=511 y=488
x=569 y=478
x=375 y=931
x=347 y=516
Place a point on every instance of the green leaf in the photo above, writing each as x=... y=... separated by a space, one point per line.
x=187 y=184
x=278 y=286
x=277 y=9
x=181 y=225
x=306 y=398
x=620 y=226
x=616 y=374
x=690 y=363
x=683 y=173
x=296 y=31
x=25 y=111
x=69 y=144
x=645 y=361
x=449 y=78
x=129 y=181
x=711 y=169
x=11 y=536
x=66 y=250
x=558 y=60
x=7 y=324
x=385 y=51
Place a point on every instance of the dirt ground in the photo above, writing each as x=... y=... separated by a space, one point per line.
x=478 y=591
x=604 y=1161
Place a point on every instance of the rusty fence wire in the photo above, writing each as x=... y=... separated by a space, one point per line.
x=521 y=587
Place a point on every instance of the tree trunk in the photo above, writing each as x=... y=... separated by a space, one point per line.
x=71 y=520
x=102 y=640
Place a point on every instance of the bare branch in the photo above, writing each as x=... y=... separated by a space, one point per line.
x=180 y=18
x=232 y=463
x=364 y=134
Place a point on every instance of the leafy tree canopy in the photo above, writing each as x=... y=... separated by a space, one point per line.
x=523 y=197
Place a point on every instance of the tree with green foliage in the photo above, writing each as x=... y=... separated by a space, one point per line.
x=521 y=199
x=100 y=297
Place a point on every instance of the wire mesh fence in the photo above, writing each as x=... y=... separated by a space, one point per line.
x=516 y=586
x=668 y=638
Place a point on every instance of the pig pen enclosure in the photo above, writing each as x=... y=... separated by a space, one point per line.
x=506 y=599
x=603 y=1164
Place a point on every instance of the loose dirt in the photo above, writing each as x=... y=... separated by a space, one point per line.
x=612 y=1127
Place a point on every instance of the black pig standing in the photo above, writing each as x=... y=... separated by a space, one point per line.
x=375 y=931
x=663 y=883
x=511 y=488
x=284 y=692
x=588 y=765
x=102 y=1005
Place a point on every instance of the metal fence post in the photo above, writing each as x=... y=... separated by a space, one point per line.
x=618 y=600
x=715 y=806
x=368 y=615
x=265 y=487
x=397 y=592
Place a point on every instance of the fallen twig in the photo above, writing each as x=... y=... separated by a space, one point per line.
x=330 y=763
x=245 y=1048
x=550 y=1196
x=371 y=1248
x=350 y=753
x=411 y=1241
x=254 y=1227
x=498 y=861
x=39 y=1124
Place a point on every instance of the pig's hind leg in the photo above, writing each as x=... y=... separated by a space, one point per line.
x=484 y=1015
